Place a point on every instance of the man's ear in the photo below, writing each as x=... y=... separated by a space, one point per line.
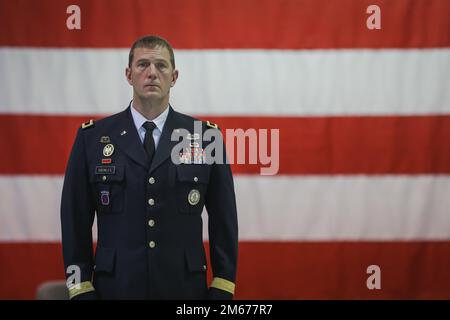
x=128 y=75
x=174 y=77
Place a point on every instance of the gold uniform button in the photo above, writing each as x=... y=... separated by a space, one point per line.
x=151 y=223
x=204 y=267
x=195 y=179
x=152 y=244
x=151 y=180
x=104 y=178
x=151 y=201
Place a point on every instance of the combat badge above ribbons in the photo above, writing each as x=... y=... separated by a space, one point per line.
x=194 y=136
x=108 y=150
x=105 y=139
x=193 y=197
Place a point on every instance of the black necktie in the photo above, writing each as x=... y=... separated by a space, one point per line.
x=149 y=143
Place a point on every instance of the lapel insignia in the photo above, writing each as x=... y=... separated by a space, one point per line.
x=211 y=125
x=87 y=124
x=124 y=132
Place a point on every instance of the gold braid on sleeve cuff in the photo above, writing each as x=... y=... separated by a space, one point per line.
x=80 y=288
x=223 y=284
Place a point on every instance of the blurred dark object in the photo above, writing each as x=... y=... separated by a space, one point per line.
x=52 y=290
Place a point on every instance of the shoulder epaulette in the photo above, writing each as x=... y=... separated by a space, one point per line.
x=211 y=125
x=87 y=124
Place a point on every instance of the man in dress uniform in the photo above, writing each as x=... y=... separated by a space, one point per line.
x=148 y=207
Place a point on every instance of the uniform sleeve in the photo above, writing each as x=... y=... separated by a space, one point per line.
x=77 y=216
x=223 y=230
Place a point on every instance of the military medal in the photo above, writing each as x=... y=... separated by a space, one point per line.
x=193 y=155
x=193 y=197
x=108 y=150
x=185 y=157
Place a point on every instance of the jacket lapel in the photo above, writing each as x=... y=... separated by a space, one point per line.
x=129 y=142
x=165 y=145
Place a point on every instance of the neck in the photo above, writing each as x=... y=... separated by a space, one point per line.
x=150 y=109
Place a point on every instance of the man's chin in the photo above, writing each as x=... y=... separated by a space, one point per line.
x=153 y=95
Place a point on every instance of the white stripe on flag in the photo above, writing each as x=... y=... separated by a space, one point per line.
x=241 y=82
x=274 y=208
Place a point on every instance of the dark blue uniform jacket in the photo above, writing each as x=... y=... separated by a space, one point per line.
x=149 y=221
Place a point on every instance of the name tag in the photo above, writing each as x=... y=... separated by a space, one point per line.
x=105 y=170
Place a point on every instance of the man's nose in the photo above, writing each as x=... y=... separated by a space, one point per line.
x=151 y=71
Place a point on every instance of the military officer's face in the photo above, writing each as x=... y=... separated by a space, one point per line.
x=151 y=73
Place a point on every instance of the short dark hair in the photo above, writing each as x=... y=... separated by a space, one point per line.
x=151 y=42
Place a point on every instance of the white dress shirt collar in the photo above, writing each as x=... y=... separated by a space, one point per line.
x=159 y=121
x=139 y=119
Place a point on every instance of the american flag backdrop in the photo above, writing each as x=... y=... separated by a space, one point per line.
x=364 y=120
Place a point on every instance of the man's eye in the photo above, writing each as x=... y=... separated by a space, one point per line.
x=160 y=65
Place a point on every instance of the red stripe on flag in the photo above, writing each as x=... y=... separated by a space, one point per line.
x=196 y=24
x=26 y=265
x=34 y=144
x=338 y=270
x=278 y=270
